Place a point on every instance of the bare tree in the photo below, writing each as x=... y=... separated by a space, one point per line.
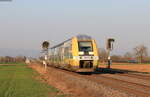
x=140 y=52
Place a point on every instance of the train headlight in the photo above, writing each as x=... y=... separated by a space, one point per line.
x=91 y=53
x=81 y=53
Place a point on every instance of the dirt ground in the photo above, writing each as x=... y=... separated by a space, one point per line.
x=131 y=67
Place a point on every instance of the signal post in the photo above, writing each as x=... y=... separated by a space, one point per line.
x=110 y=42
x=45 y=46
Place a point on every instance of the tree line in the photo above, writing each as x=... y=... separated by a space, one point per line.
x=139 y=54
x=9 y=59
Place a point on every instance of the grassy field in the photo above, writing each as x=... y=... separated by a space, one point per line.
x=20 y=81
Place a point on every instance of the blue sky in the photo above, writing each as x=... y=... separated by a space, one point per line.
x=24 y=24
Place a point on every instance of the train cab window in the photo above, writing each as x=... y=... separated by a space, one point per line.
x=85 y=46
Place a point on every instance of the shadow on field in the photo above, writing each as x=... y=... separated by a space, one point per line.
x=85 y=73
x=104 y=71
x=115 y=71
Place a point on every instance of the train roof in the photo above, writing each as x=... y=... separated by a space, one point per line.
x=83 y=37
x=60 y=44
x=79 y=37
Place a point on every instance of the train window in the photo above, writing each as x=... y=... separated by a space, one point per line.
x=68 y=49
x=85 y=46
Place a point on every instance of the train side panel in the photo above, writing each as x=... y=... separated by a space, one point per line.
x=96 y=58
x=75 y=52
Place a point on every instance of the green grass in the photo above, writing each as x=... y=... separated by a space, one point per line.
x=21 y=81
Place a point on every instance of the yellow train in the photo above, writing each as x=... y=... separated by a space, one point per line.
x=79 y=54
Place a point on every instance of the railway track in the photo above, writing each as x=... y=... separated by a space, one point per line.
x=139 y=76
x=125 y=86
x=137 y=89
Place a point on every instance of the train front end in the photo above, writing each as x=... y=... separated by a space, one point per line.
x=85 y=54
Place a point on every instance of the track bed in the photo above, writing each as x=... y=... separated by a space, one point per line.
x=98 y=84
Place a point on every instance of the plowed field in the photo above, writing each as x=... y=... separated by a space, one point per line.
x=131 y=67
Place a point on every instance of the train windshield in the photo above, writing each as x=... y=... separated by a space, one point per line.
x=85 y=46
